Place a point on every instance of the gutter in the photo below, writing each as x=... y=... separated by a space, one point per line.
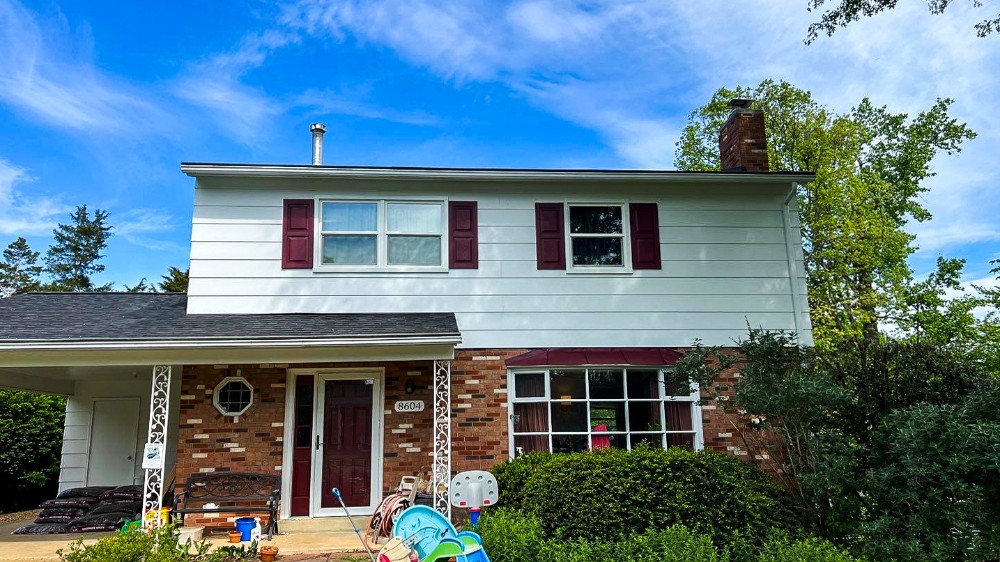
x=472 y=174
x=113 y=345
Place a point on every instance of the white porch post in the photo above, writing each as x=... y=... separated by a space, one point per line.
x=442 y=436
x=158 y=409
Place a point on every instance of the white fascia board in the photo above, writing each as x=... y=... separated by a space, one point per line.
x=217 y=356
x=209 y=170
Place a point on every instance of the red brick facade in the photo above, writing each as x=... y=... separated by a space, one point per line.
x=254 y=441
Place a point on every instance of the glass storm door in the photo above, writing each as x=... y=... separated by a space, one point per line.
x=346 y=448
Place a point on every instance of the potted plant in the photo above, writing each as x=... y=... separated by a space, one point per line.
x=235 y=536
x=268 y=552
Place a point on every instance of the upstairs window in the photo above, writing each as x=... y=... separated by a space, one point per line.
x=597 y=236
x=382 y=233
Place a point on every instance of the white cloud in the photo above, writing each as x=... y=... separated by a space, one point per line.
x=627 y=69
x=22 y=214
x=136 y=226
x=61 y=88
x=215 y=85
x=350 y=103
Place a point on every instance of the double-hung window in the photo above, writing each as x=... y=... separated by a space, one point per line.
x=382 y=233
x=597 y=236
x=576 y=409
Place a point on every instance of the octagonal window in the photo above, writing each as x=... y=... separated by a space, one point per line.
x=233 y=396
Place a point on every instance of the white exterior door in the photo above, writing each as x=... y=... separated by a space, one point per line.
x=113 y=434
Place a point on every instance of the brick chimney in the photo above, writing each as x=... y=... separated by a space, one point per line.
x=742 y=140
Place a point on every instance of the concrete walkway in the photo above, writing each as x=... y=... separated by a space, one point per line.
x=302 y=540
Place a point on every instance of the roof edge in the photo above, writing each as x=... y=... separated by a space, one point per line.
x=202 y=169
x=228 y=343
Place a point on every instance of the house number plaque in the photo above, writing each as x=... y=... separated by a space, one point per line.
x=410 y=406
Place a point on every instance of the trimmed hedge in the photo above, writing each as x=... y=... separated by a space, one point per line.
x=510 y=536
x=609 y=494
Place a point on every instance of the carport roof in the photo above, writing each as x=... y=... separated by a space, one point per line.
x=138 y=317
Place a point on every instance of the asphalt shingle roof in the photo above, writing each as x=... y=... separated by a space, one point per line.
x=152 y=316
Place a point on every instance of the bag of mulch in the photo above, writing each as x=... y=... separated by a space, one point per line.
x=85 y=502
x=99 y=522
x=117 y=507
x=87 y=492
x=42 y=529
x=126 y=493
x=60 y=514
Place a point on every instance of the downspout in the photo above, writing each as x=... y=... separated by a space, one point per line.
x=792 y=243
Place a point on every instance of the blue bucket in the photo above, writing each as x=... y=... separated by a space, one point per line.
x=244 y=525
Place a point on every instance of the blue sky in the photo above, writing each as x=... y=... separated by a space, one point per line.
x=100 y=101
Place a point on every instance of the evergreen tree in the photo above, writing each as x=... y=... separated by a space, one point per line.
x=175 y=281
x=18 y=270
x=76 y=254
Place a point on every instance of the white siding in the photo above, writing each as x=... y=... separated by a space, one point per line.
x=79 y=413
x=725 y=258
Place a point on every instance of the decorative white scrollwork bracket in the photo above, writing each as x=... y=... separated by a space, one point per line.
x=159 y=401
x=442 y=437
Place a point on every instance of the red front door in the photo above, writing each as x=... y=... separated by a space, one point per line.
x=347 y=442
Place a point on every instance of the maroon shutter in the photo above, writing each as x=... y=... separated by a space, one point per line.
x=550 y=236
x=463 y=235
x=297 y=234
x=645 y=236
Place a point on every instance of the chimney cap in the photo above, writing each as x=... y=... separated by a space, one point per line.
x=739 y=103
x=317 y=128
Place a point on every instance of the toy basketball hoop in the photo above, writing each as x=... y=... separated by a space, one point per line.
x=474 y=489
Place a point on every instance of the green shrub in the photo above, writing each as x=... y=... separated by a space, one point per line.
x=609 y=494
x=513 y=475
x=934 y=483
x=509 y=536
x=136 y=545
x=806 y=550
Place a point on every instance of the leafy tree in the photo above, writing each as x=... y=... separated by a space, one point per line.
x=848 y=11
x=31 y=427
x=76 y=254
x=18 y=270
x=175 y=281
x=870 y=165
x=888 y=448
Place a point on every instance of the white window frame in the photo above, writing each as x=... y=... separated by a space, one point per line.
x=626 y=266
x=224 y=382
x=382 y=235
x=693 y=398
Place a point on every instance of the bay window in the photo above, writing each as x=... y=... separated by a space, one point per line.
x=576 y=409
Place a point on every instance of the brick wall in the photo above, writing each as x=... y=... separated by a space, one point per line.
x=253 y=442
x=479 y=408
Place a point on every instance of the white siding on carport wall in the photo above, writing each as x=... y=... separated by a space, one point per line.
x=724 y=248
x=79 y=412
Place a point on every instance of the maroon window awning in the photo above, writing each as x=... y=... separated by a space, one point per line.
x=571 y=356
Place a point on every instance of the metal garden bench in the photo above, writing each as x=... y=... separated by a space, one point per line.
x=231 y=492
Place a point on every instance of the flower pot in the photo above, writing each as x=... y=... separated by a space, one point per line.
x=268 y=552
x=235 y=536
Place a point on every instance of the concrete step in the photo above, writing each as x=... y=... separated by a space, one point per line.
x=322 y=524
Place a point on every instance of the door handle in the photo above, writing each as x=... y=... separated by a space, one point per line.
x=318 y=444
